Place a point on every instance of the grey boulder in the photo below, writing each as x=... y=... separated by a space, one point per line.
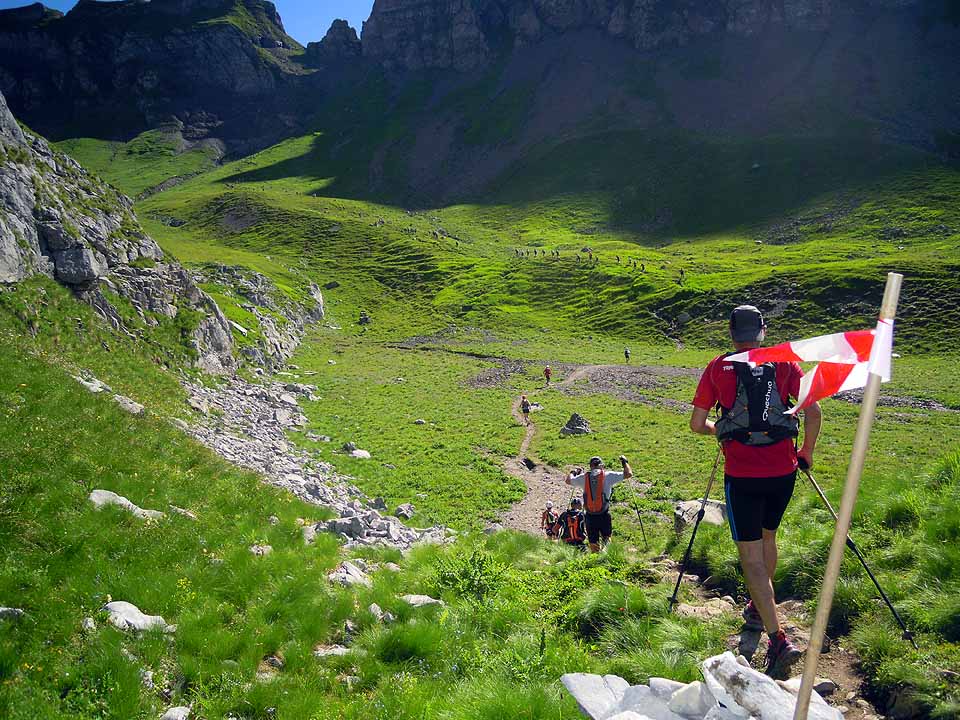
x=576 y=425
x=102 y=498
x=127 y=616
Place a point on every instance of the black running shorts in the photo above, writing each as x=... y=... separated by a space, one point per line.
x=598 y=526
x=756 y=504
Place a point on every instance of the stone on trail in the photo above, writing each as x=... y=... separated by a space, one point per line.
x=181 y=712
x=361 y=454
x=418 y=601
x=405 y=511
x=685 y=513
x=127 y=616
x=348 y=574
x=419 y=421
x=102 y=498
x=8 y=613
x=712 y=608
x=261 y=550
x=376 y=611
x=131 y=406
x=576 y=425
x=349 y=447
x=793 y=686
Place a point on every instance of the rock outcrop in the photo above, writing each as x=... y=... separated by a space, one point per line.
x=339 y=45
x=281 y=321
x=57 y=220
x=466 y=34
x=114 y=69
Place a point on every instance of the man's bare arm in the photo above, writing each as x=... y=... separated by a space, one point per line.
x=700 y=423
x=812 y=418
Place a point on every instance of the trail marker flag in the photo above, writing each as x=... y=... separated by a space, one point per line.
x=877 y=363
x=846 y=360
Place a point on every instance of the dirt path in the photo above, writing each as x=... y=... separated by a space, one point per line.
x=543 y=483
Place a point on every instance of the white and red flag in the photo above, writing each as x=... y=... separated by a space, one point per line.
x=846 y=359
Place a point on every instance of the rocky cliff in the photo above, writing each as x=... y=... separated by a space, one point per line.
x=57 y=220
x=467 y=34
x=113 y=69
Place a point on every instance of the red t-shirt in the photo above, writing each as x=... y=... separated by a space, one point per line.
x=719 y=384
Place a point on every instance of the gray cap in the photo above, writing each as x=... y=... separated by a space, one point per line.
x=746 y=324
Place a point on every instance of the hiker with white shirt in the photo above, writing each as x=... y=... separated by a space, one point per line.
x=598 y=484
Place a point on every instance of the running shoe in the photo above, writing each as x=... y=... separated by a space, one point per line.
x=781 y=653
x=751 y=617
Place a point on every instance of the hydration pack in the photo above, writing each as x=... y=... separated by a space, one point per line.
x=758 y=413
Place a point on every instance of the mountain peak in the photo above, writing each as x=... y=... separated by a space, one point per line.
x=339 y=44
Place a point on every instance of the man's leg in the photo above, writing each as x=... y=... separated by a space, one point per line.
x=593 y=534
x=753 y=563
x=770 y=552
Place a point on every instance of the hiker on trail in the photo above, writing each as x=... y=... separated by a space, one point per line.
x=626 y=355
x=547 y=373
x=618 y=259
x=578 y=257
x=643 y=267
x=683 y=275
x=760 y=463
x=525 y=409
x=570 y=525
x=548 y=520
x=598 y=484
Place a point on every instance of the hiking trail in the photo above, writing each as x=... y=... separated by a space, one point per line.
x=543 y=483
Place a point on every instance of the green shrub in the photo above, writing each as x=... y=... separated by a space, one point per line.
x=475 y=575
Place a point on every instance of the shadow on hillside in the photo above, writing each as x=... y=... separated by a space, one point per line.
x=653 y=185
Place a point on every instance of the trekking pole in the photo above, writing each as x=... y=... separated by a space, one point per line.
x=646 y=545
x=907 y=634
x=700 y=514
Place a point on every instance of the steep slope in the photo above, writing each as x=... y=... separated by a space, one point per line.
x=505 y=83
x=57 y=220
x=114 y=69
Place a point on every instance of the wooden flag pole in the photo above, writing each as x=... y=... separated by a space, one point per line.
x=888 y=311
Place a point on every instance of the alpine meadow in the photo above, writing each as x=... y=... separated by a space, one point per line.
x=382 y=378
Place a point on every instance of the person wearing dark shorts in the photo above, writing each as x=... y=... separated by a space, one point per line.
x=598 y=484
x=759 y=472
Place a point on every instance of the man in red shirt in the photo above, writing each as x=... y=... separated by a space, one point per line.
x=760 y=463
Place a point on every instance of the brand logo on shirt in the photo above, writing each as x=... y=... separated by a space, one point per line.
x=766 y=400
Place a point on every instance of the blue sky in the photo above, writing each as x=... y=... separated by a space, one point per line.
x=304 y=20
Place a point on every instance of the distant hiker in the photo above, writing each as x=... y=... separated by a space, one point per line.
x=643 y=267
x=760 y=463
x=547 y=374
x=626 y=355
x=548 y=520
x=364 y=318
x=570 y=525
x=683 y=275
x=598 y=484
x=525 y=409
x=578 y=257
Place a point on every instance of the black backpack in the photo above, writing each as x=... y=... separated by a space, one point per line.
x=758 y=413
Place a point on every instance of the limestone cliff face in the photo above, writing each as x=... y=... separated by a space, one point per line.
x=57 y=220
x=466 y=34
x=117 y=68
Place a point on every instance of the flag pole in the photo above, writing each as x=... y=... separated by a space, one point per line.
x=888 y=311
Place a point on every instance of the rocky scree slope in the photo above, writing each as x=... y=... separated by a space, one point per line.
x=57 y=220
x=114 y=69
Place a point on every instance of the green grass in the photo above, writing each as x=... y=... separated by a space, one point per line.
x=142 y=163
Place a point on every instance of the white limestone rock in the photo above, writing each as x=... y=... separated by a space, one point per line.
x=693 y=700
x=131 y=406
x=181 y=712
x=330 y=650
x=92 y=385
x=748 y=693
x=664 y=688
x=348 y=574
x=8 y=613
x=102 y=498
x=597 y=696
x=641 y=699
x=418 y=601
x=127 y=616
